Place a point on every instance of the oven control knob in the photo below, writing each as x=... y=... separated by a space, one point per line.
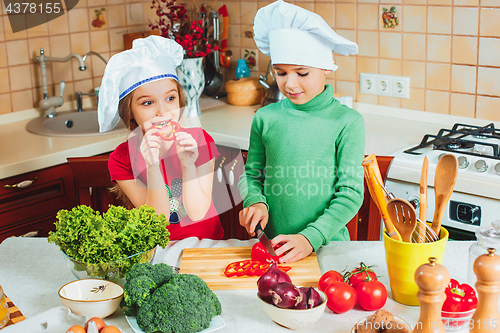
x=481 y=165
x=497 y=168
x=415 y=202
x=441 y=155
x=463 y=162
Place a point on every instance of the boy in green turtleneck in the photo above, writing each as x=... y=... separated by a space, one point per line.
x=303 y=178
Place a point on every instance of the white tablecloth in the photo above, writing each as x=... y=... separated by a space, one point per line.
x=32 y=271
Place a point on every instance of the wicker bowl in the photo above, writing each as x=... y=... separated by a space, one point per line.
x=244 y=91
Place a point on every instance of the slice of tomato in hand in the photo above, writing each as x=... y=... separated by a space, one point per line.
x=361 y=274
x=259 y=253
x=341 y=297
x=328 y=278
x=372 y=295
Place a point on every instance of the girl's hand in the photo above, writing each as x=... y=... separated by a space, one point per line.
x=250 y=216
x=150 y=147
x=187 y=148
x=298 y=247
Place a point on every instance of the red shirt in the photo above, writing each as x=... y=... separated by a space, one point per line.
x=126 y=162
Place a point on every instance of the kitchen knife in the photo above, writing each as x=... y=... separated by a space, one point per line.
x=264 y=240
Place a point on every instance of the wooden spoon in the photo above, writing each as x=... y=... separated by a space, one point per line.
x=423 y=199
x=403 y=216
x=444 y=182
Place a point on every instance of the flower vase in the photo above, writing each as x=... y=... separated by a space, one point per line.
x=192 y=79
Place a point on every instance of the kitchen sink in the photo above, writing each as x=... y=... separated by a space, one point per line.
x=71 y=123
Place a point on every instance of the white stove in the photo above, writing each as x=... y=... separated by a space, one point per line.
x=475 y=200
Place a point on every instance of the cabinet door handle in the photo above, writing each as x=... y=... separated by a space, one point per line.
x=231 y=173
x=23 y=184
x=219 y=170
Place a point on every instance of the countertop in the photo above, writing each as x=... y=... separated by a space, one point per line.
x=33 y=271
x=387 y=130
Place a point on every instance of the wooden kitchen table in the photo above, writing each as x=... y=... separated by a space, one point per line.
x=32 y=271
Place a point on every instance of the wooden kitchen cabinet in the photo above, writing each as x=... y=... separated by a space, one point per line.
x=30 y=202
x=226 y=196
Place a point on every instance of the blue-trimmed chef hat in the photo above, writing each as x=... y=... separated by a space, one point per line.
x=150 y=59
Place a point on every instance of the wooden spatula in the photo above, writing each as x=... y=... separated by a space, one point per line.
x=444 y=182
x=403 y=217
x=423 y=198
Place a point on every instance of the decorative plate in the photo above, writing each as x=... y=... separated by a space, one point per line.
x=215 y=324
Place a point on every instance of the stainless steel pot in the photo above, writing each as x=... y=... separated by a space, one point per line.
x=273 y=94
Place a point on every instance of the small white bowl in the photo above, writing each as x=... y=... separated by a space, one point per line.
x=91 y=297
x=295 y=319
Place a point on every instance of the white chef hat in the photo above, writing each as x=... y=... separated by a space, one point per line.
x=293 y=35
x=150 y=59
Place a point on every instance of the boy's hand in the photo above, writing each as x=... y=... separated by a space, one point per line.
x=250 y=216
x=298 y=247
x=187 y=148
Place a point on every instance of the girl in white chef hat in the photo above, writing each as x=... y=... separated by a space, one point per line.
x=161 y=164
x=303 y=178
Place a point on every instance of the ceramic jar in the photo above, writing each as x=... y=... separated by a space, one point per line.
x=192 y=79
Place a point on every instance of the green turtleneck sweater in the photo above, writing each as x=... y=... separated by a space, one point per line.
x=304 y=163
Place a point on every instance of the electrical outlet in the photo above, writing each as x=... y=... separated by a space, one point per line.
x=384 y=85
x=367 y=84
x=400 y=87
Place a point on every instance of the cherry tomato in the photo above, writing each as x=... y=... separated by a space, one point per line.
x=259 y=253
x=341 y=297
x=361 y=274
x=328 y=278
x=372 y=295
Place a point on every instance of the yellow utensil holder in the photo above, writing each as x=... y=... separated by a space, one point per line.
x=404 y=258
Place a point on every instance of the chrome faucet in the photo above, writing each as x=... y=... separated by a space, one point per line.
x=79 y=102
x=49 y=105
x=95 y=53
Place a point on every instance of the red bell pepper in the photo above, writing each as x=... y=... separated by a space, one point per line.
x=175 y=128
x=459 y=297
x=259 y=253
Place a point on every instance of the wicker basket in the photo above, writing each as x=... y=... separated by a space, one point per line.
x=245 y=91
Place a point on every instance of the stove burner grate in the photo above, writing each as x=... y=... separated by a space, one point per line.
x=453 y=140
x=450 y=144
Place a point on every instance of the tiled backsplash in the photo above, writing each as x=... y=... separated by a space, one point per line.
x=449 y=48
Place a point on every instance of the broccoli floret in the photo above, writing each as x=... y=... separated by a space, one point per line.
x=137 y=290
x=184 y=304
x=160 y=273
x=139 y=269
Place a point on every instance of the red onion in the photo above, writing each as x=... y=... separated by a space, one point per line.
x=286 y=295
x=310 y=298
x=269 y=280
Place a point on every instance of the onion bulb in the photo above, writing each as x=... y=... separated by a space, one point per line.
x=269 y=280
x=286 y=295
x=310 y=298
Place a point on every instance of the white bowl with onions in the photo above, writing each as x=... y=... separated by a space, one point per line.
x=295 y=319
x=294 y=307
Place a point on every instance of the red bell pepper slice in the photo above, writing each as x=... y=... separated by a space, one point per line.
x=175 y=128
x=459 y=297
x=237 y=268
x=250 y=268
x=259 y=253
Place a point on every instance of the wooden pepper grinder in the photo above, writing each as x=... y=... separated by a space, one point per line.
x=431 y=279
x=487 y=269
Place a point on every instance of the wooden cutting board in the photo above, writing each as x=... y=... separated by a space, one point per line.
x=210 y=263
